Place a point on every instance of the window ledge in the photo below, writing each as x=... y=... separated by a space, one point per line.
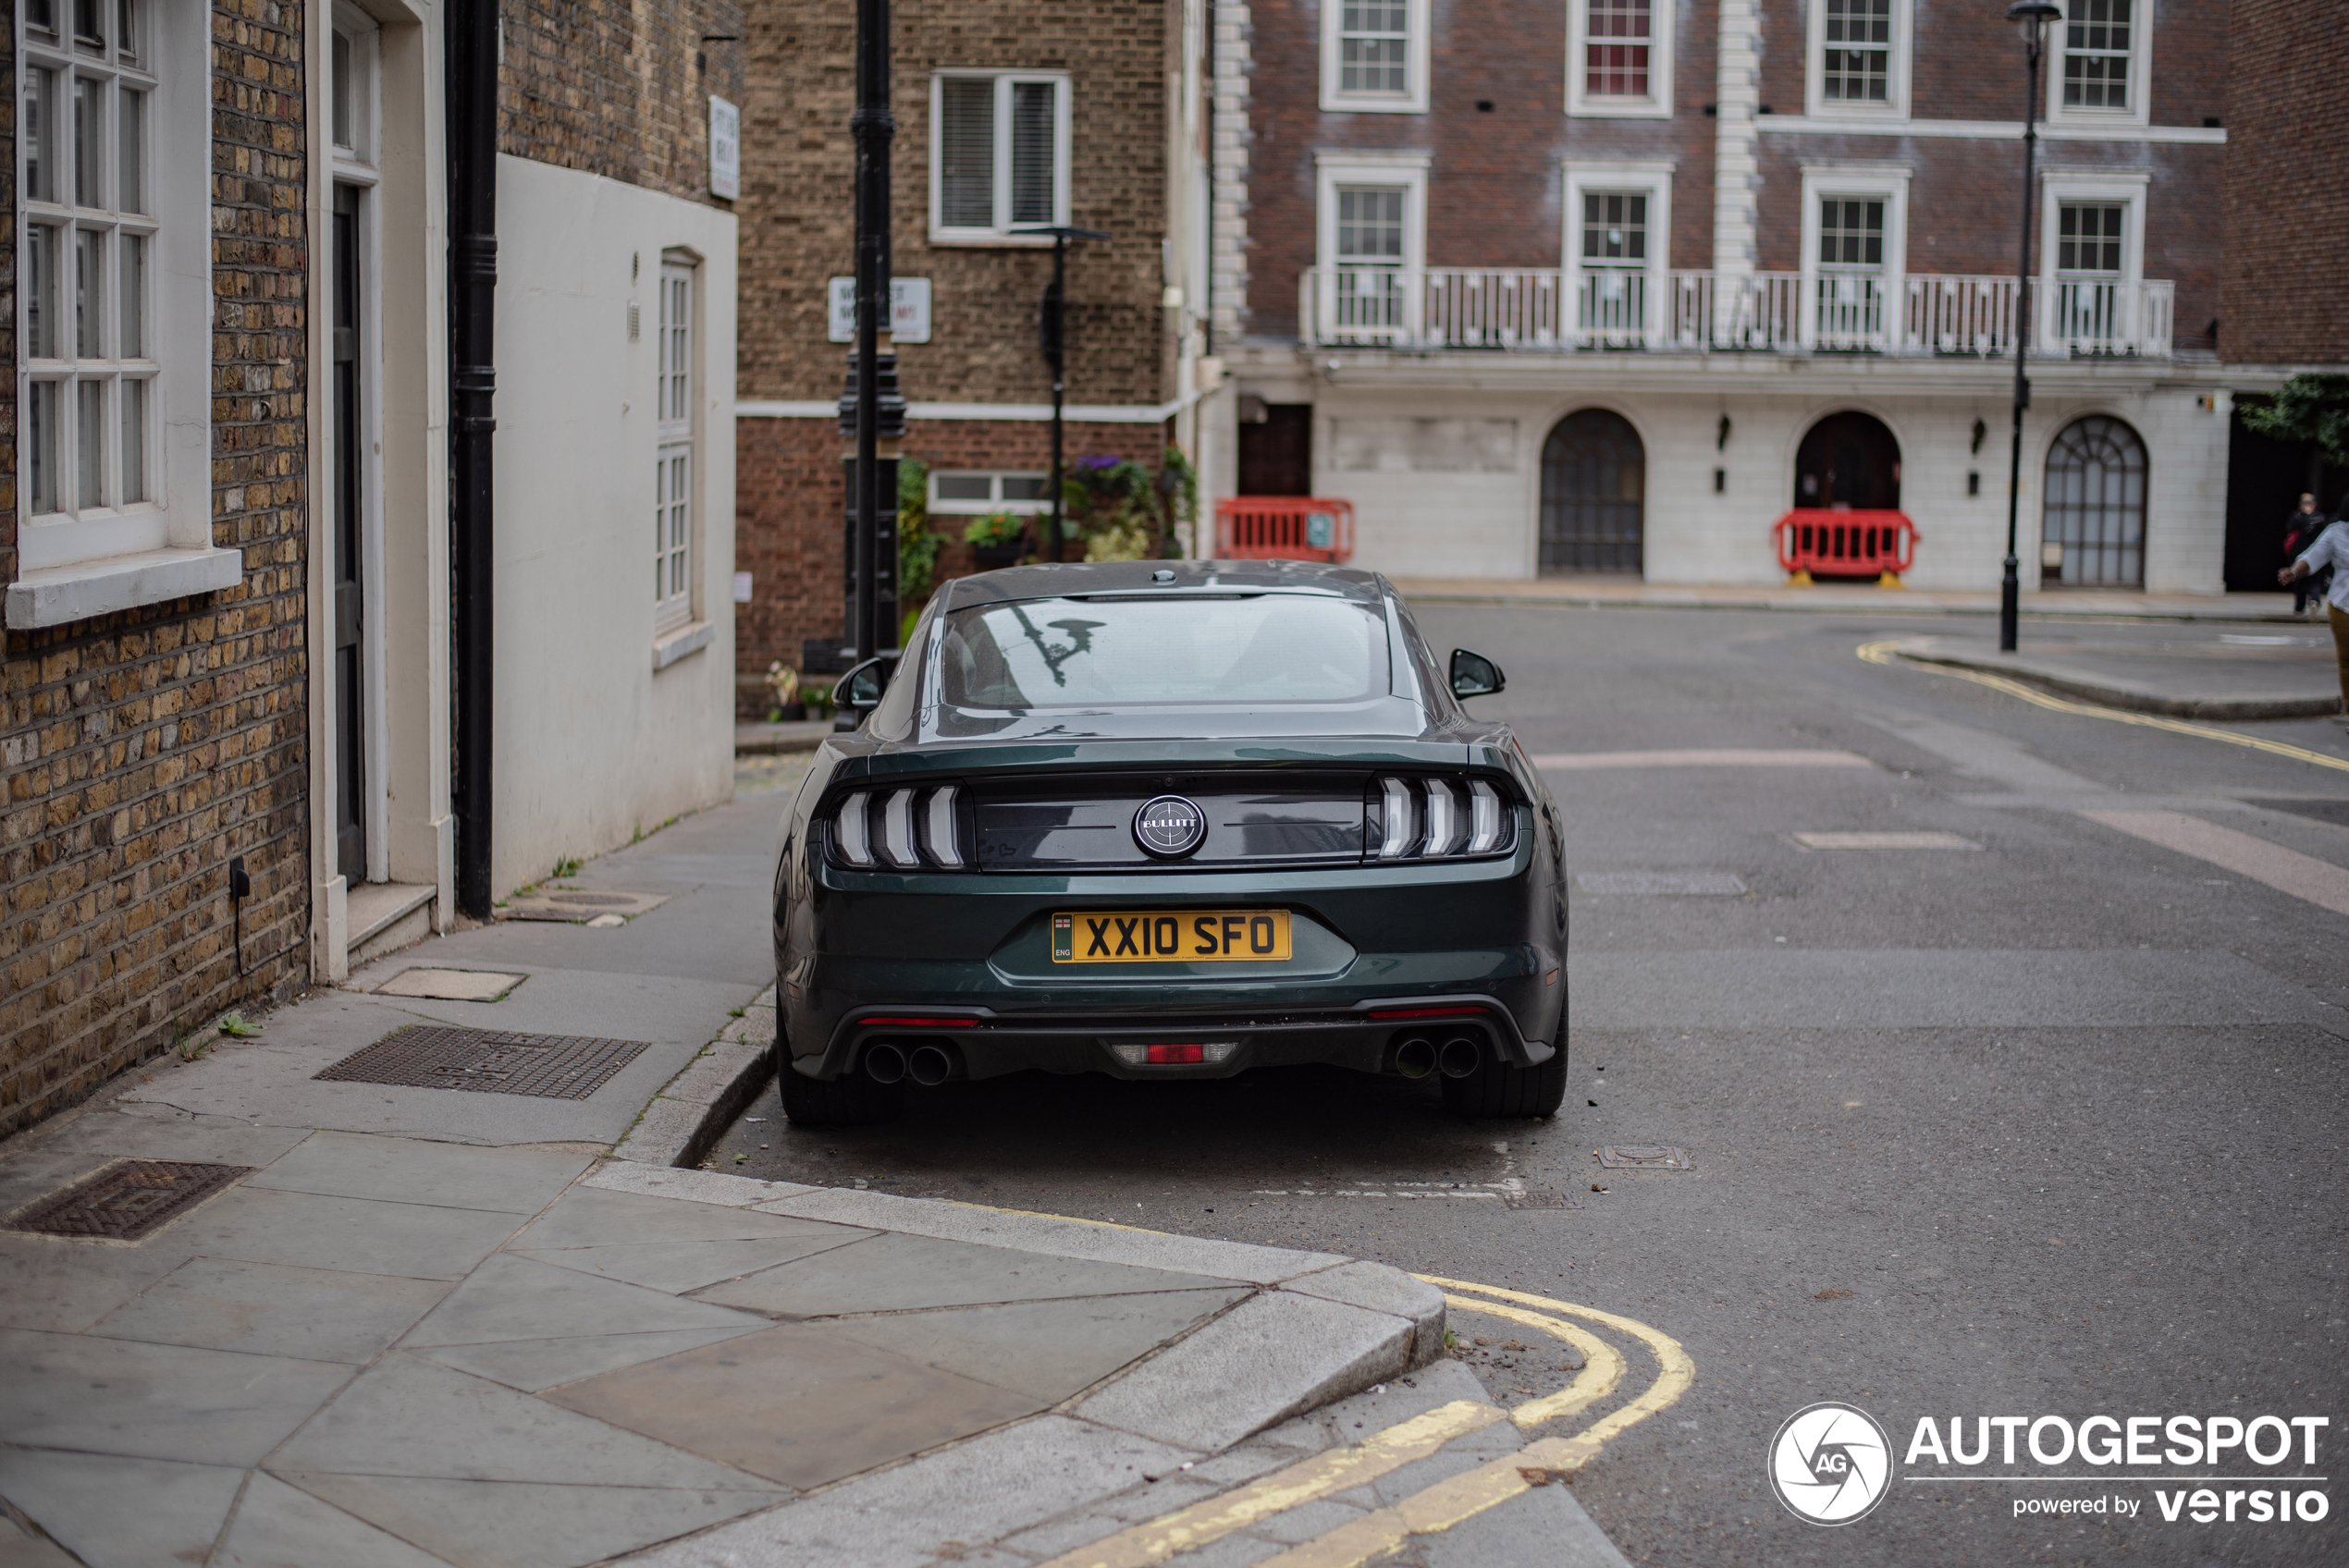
x=670 y=647
x=55 y=595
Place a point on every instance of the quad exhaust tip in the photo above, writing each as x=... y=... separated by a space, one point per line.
x=884 y=1063
x=1459 y=1056
x=931 y=1065
x=1415 y=1058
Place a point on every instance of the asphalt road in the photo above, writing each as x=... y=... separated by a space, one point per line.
x=2049 y=1126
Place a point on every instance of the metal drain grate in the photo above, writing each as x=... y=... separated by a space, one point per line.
x=1538 y=1199
x=1643 y=1157
x=126 y=1201
x=487 y=1061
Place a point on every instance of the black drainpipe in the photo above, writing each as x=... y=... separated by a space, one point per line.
x=473 y=45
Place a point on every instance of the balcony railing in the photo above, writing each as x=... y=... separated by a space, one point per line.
x=1545 y=309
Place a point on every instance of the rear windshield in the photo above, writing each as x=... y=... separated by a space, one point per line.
x=1262 y=648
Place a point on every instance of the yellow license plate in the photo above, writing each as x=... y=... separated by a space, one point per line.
x=1171 y=935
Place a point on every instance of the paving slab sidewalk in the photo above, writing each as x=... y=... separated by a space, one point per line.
x=1866 y=597
x=443 y=1326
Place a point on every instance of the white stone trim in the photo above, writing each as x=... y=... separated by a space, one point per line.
x=1075 y=413
x=1737 y=173
x=1229 y=136
x=670 y=647
x=1896 y=86
x=1663 y=22
x=1413 y=100
x=54 y=595
x=2140 y=110
x=1989 y=130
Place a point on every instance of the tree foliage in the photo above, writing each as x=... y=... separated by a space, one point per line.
x=2307 y=408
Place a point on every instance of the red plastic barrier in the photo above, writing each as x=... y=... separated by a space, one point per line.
x=1283 y=528
x=1845 y=543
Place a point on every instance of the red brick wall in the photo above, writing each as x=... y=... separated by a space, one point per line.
x=789 y=504
x=619 y=89
x=1494 y=186
x=141 y=750
x=2286 y=292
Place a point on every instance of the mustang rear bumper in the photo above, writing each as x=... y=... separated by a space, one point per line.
x=1368 y=1037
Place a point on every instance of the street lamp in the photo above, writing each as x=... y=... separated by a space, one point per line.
x=1052 y=334
x=872 y=411
x=2035 y=15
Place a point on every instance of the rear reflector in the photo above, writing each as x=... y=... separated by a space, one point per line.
x=914 y=1023
x=1206 y=1052
x=1384 y=1014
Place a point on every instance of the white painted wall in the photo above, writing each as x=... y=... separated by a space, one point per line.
x=592 y=742
x=1474 y=520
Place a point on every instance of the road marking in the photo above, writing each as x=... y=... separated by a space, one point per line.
x=1887 y=652
x=1570 y=760
x=1884 y=842
x=1306 y=1481
x=2288 y=871
x=1448 y=1502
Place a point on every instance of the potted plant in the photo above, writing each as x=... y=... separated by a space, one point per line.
x=999 y=538
x=789 y=709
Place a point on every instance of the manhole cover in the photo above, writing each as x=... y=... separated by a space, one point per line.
x=1712 y=883
x=1643 y=1157
x=1538 y=1200
x=606 y=900
x=429 y=1056
x=579 y=905
x=126 y=1201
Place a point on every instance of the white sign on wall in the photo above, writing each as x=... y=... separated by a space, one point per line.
x=908 y=310
x=725 y=149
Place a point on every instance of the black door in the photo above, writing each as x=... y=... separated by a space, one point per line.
x=1851 y=460
x=1276 y=452
x=1593 y=494
x=350 y=757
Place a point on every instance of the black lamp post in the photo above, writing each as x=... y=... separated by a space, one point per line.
x=1051 y=336
x=872 y=410
x=2034 y=15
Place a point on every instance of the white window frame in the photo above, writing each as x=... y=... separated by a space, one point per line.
x=1652 y=181
x=2058 y=189
x=78 y=561
x=1000 y=232
x=676 y=368
x=1888 y=183
x=1817 y=105
x=1404 y=170
x=2139 y=112
x=1416 y=57
x=1657 y=103
x=996 y=501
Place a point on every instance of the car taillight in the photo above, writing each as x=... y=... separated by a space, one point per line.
x=1430 y=818
x=918 y=827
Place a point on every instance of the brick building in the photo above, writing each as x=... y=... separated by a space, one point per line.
x=226 y=699
x=1009 y=113
x=1611 y=286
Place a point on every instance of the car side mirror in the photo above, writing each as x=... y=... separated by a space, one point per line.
x=860 y=690
x=1473 y=675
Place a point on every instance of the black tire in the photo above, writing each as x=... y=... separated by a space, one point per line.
x=849 y=1100
x=1496 y=1089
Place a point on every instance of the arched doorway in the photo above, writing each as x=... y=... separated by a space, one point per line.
x=2096 y=509
x=1850 y=463
x=1593 y=494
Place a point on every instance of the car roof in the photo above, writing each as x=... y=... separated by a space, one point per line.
x=1048 y=581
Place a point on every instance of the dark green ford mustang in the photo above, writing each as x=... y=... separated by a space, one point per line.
x=1169 y=821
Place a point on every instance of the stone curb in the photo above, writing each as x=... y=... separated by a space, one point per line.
x=678 y=1124
x=2134 y=700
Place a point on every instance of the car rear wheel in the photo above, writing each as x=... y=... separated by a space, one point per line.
x=1497 y=1089
x=850 y=1100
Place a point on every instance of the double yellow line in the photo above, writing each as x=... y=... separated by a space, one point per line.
x=1448 y=1502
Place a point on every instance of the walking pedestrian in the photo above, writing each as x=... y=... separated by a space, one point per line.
x=2301 y=527
x=2330 y=549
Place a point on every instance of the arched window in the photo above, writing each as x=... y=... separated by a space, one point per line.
x=2096 y=507
x=1594 y=490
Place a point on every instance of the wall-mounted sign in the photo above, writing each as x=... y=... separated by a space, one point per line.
x=725 y=149
x=908 y=310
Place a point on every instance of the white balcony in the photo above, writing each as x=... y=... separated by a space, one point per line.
x=1537 y=309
